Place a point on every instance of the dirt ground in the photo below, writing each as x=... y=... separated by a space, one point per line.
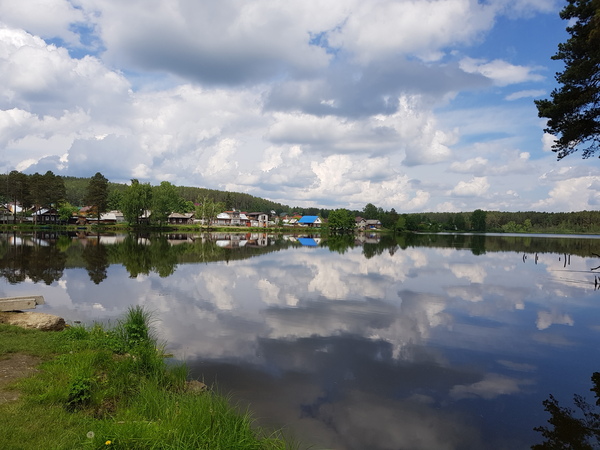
x=12 y=367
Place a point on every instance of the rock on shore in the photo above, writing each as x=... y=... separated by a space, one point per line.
x=28 y=319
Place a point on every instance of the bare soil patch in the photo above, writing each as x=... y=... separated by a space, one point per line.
x=12 y=367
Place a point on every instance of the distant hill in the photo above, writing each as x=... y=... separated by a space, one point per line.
x=76 y=187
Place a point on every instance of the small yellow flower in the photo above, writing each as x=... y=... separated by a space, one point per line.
x=107 y=443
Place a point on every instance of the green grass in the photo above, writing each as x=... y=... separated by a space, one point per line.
x=112 y=388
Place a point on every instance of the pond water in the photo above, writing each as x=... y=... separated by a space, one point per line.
x=408 y=342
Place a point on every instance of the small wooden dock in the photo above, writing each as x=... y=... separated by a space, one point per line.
x=20 y=303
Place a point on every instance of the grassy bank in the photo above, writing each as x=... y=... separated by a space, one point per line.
x=100 y=387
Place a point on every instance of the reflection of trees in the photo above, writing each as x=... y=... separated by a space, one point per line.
x=142 y=256
x=386 y=243
x=95 y=256
x=566 y=430
x=478 y=245
x=37 y=263
x=486 y=243
x=340 y=242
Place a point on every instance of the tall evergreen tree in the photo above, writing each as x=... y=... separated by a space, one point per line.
x=96 y=194
x=18 y=191
x=55 y=189
x=46 y=190
x=573 y=112
x=38 y=193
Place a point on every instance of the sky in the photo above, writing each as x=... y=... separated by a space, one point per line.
x=412 y=105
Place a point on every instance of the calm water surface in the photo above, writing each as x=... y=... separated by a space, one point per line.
x=416 y=342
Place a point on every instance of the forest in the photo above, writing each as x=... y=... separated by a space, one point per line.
x=71 y=193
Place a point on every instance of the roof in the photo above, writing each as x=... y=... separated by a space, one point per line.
x=228 y=215
x=309 y=242
x=44 y=211
x=308 y=219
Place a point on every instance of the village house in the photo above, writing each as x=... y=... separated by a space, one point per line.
x=231 y=219
x=258 y=219
x=110 y=217
x=181 y=219
x=6 y=215
x=310 y=221
x=373 y=224
x=45 y=216
x=367 y=224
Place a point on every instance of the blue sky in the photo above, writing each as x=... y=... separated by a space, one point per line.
x=412 y=105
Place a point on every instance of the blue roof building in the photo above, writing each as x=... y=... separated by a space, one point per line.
x=311 y=221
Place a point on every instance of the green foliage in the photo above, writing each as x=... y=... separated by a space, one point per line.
x=370 y=211
x=79 y=393
x=96 y=194
x=91 y=396
x=16 y=188
x=573 y=112
x=137 y=199
x=478 y=220
x=512 y=227
x=341 y=220
x=66 y=211
x=577 y=429
x=165 y=200
x=400 y=224
x=54 y=189
x=115 y=199
x=207 y=210
x=237 y=200
x=135 y=327
x=389 y=219
x=340 y=243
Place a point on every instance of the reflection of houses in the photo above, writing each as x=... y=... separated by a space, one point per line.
x=310 y=221
x=231 y=240
x=363 y=238
x=179 y=238
x=309 y=241
x=239 y=240
x=257 y=240
x=181 y=219
x=93 y=239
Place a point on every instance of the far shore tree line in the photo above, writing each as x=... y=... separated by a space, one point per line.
x=138 y=201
